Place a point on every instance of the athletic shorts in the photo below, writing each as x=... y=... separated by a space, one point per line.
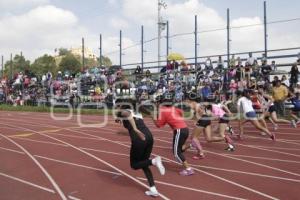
x=224 y=119
x=204 y=121
x=272 y=109
x=251 y=115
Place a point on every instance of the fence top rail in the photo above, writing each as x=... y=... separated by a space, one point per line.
x=217 y=55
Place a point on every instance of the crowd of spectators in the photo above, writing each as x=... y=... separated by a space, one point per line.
x=211 y=81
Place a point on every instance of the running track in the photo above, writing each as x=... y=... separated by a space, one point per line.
x=43 y=158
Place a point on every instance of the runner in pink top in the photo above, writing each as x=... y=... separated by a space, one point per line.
x=222 y=112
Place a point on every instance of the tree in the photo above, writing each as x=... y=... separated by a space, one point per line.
x=19 y=64
x=43 y=64
x=70 y=63
x=105 y=61
x=63 y=52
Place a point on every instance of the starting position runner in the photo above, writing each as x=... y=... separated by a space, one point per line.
x=168 y=114
x=204 y=114
x=245 y=108
x=141 y=142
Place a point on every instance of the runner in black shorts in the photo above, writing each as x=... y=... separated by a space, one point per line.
x=270 y=110
x=141 y=142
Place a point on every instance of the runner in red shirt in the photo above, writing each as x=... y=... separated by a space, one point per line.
x=168 y=114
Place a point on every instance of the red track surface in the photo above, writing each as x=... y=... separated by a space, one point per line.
x=85 y=163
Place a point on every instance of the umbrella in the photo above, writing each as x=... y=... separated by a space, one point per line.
x=175 y=56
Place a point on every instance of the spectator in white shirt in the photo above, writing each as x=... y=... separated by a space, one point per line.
x=251 y=59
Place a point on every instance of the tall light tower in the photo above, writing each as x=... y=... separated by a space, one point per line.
x=161 y=26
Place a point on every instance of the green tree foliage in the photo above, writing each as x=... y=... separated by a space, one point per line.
x=105 y=61
x=63 y=52
x=70 y=63
x=18 y=64
x=43 y=64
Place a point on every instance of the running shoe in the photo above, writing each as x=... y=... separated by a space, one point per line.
x=293 y=123
x=230 y=149
x=199 y=157
x=158 y=163
x=187 y=172
x=298 y=121
x=275 y=127
x=273 y=137
x=152 y=192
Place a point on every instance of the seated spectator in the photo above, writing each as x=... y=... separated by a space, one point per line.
x=273 y=65
x=206 y=92
x=248 y=71
x=208 y=67
x=252 y=84
x=138 y=70
x=232 y=61
x=220 y=65
x=184 y=68
x=297 y=88
x=274 y=82
x=266 y=70
x=239 y=74
x=174 y=65
x=231 y=73
x=285 y=81
x=233 y=86
x=251 y=59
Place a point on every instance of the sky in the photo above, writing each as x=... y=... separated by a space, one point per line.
x=37 y=27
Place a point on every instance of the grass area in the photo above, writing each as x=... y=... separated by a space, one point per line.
x=5 y=107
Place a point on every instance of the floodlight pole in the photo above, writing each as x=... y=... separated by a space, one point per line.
x=100 y=58
x=196 y=41
x=83 y=64
x=167 y=39
x=120 y=48
x=265 y=29
x=228 y=37
x=142 y=48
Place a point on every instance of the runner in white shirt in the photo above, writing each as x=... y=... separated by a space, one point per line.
x=245 y=109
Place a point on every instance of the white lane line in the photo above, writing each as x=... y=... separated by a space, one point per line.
x=255 y=163
x=34 y=185
x=64 y=162
x=200 y=166
x=73 y=198
x=40 y=141
x=15 y=151
x=115 y=173
x=209 y=174
x=208 y=167
x=263 y=149
x=101 y=151
x=194 y=189
x=279 y=148
x=54 y=184
x=27 y=183
x=78 y=165
x=98 y=159
x=265 y=158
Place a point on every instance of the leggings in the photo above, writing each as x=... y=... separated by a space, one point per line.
x=179 y=138
x=139 y=156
